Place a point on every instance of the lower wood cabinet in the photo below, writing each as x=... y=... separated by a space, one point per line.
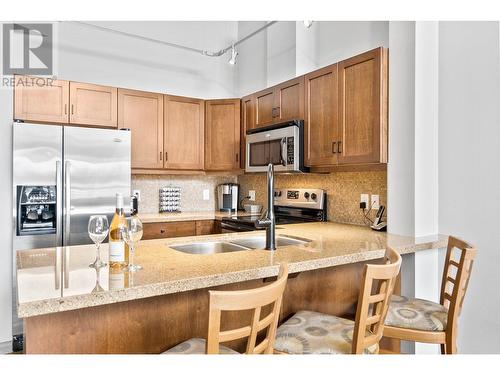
x=153 y=231
x=205 y=227
x=222 y=134
x=142 y=113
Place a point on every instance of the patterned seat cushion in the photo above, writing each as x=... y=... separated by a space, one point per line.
x=309 y=332
x=416 y=313
x=196 y=346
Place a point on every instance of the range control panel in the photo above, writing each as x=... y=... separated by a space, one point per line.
x=308 y=198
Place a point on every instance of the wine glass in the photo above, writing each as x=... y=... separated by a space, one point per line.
x=132 y=233
x=98 y=231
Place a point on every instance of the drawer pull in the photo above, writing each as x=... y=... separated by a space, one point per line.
x=162 y=231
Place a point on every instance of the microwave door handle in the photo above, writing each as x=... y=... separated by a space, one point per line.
x=67 y=202
x=58 y=204
x=283 y=151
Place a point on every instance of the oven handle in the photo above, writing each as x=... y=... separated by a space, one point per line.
x=283 y=151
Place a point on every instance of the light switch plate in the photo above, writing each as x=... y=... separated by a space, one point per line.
x=251 y=194
x=365 y=198
x=137 y=193
x=206 y=194
x=375 y=203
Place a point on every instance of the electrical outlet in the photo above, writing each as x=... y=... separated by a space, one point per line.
x=137 y=193
x=251 y=194
x=375 y=203
x=364 y=199
x=206 y=194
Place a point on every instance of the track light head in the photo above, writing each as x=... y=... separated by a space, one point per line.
x=234 y=54
x=308 y=24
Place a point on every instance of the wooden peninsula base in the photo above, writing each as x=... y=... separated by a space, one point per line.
x=153 y=325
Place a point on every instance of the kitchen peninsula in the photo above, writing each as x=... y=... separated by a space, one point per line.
x=68 y=307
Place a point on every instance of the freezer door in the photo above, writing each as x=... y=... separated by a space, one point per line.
x=96 y=167
x=36 y=163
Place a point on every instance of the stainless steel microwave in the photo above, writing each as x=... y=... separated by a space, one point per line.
x=280 y=144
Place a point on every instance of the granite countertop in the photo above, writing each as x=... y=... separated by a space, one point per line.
x=58 y=279
x=188 y=216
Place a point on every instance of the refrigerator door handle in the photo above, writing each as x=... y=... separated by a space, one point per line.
x=67 y=202
x=58 y=204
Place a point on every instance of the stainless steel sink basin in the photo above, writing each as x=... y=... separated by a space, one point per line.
x=208 y=247
x=260 y=241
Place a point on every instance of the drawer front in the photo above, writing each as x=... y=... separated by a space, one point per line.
x=169 y=230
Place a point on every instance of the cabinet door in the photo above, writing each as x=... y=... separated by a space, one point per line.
x=183 y=133
x=93 y=105
x=247 y=123
x=363 y=108
x=142 y=113
x=289 y=100
x=222 y=134
x=34 y=100
x=321 y=119
x=205 y=227
x=265 y=111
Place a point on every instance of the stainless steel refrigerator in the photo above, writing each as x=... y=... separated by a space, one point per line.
x=61 y=176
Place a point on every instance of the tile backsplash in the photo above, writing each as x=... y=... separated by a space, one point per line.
x=192 y=190
x=343 y=190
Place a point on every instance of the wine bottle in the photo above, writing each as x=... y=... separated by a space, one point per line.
x=118 y=249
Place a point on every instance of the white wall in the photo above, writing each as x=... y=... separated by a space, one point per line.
x=90 y=55
x=412 y=171
x=292 y=50
x=469 y=173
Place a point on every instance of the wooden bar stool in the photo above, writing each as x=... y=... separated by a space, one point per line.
x=414 y=319
x=251 y=299
x=309 y=332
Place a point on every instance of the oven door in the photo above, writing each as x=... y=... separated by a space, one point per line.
x=278 y=146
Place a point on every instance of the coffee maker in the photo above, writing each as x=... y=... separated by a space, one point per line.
x=228 y=197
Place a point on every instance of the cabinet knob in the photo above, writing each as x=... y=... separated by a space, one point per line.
x=333 y=147
x=162 y=231
x=339 y=150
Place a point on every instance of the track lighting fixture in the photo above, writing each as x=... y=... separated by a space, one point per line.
x=234 y=54
x=308 y=24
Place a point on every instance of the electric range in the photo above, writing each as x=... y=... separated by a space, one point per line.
x=291 y=206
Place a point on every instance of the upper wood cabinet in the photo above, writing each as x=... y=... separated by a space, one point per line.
x=93 y=104
x=265 y=111
x=289 y=99
x=142 y=113
x=184 y=133
x=45 y=103
x=363 y=108
x=280 y=103
x=222 y=134
x=247 y=123
x=321 y=119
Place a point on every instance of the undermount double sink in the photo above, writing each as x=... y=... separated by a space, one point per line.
x=241 y=244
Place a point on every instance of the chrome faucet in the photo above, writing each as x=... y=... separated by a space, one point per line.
x=267 y=219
